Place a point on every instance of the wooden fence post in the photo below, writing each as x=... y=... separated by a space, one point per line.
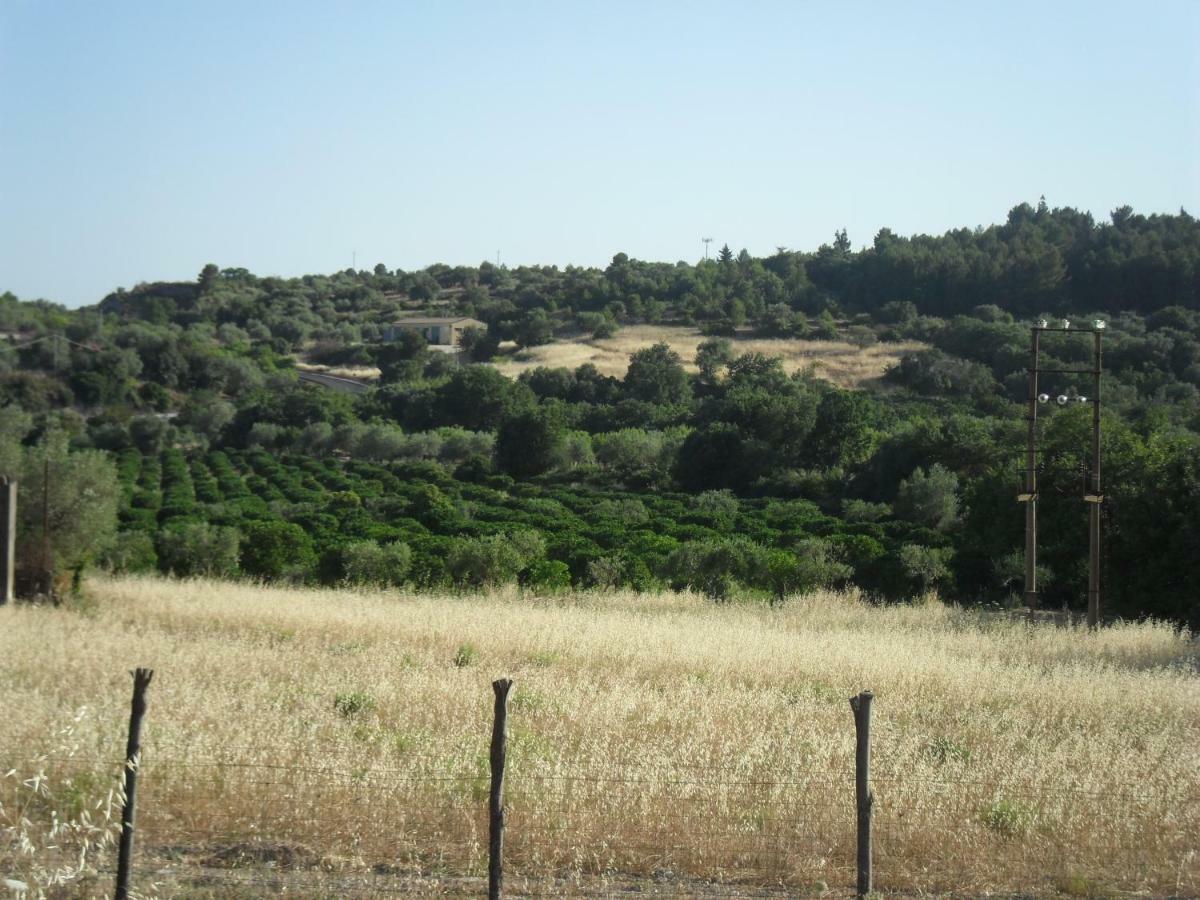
x=141 y=681
x=496 y=801
x=865 y=800
x=8 y=537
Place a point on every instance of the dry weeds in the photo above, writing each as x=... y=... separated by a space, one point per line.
x=658 y=737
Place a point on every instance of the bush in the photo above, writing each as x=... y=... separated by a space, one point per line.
x=812 y=566
x=656 y=375
x=714 y=567
x=351 y=704
x=606 y=572
x=1008 y=819
x=864 y=511
x=549 y=576
x=494 y=559
x=368 y=562
x=132 y=551
x=465 y=656
x=527 y=443
x=927 y=567
x=198 y=548
x=273 y=549
x=929 y=498
x=720 y=507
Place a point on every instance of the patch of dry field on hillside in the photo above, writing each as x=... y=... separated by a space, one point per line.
x=360 y=373
x=839 y=362
x=658 y=743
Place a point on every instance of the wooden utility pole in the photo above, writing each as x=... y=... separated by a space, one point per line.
x=8 y=538
x=47 y=573
x=1094 y=496
x=1029 y=497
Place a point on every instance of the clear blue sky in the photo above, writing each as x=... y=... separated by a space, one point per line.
x=139 y=141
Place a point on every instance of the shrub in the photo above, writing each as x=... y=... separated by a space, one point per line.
x=864 y=511
x=368 y=562
x=622 y=570
x=132 y=551
x=929 y=498
x=198 y=548
x=928 y=567
x=274 y=548
x=494 y=559
x=633 y=455
x=465 y=656
x=813 y=565
x=528 y=442
x=945 y=750
x=353 y=703
x=1008 y=819
x=606 y=572
x=549 y=576
x=628 y=511
x=714 y=567
x=721 y=507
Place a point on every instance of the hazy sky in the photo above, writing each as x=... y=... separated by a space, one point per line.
x=139 y=141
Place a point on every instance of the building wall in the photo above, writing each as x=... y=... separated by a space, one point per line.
x=442 y=335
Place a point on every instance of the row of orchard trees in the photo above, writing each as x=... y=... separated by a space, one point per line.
x=299 y=517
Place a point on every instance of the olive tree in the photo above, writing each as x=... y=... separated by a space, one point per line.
x=67 y=514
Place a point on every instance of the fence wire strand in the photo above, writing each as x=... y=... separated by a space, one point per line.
x=237 y=826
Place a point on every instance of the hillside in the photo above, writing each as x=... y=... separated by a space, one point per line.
x=748 y=427
x=656 y=739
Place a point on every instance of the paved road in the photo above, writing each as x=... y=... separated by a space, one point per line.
x=345 y=385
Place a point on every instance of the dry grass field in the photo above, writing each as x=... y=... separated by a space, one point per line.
x=839 y=362
x=361 y=373
x=335 y=742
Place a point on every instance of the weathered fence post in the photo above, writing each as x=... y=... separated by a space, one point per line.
x=496 y=801
x=8 y=537
x=141 y=681
x=865 y=800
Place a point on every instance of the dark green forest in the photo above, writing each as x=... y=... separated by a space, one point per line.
x=738 y=480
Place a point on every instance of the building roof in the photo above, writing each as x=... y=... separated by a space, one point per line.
x=438 y=320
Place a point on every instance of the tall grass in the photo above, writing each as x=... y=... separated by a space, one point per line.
x=651 y=734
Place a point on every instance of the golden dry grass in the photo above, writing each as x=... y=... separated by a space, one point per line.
x=651 y=737
x=361 y=373
x=839 y=362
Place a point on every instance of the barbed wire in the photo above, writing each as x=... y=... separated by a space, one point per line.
x=220 y=820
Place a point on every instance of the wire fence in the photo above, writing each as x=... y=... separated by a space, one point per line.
x=238 y=824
